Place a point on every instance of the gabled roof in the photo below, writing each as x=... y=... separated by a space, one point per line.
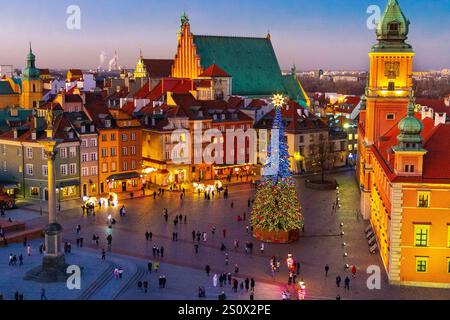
x=214 y=71
x=158 y=68
x=5 y=88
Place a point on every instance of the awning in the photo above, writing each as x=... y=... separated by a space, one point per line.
x=68 y=183
x=9 y=185
x=124 y=176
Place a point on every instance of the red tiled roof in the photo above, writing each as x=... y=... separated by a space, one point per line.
x=257 y=103
x=214 y=71
x=436 y=141
x=158 y=68
x=438 y=105
x=129 y=108
x=236 y=102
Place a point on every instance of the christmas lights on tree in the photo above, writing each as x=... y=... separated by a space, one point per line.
x=276 y=206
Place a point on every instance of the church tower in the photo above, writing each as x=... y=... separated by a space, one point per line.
x=388 y=90
x=31 y=92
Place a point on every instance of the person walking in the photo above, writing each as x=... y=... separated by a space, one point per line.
x=327 y=268
x=29 y=250
x=338 y=281
x=347 y=283
x=145 y=285
x=252 y=283
x=20 y=260
x=207 y=269
x=43 y=296
x=196 y=248
x=247 y=284
x=147 y=235
x=354 y=271
x=215 y=280
x=103 y=254
x=149 y=266
x=162 y=251
x=193 y=235
x=156 y=266
x=262 y=248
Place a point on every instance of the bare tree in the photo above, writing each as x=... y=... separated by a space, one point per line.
x=323 y=156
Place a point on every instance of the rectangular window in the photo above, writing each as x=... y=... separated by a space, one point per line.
x=84 y=143
x=125 y=166
x=94 y=156
x=407 y=168
x=167 y=155
x=390 y=116
x=124 y=151
x=94 y=171
x=411 y=168
x=84 y=157
x=133 y=150
x=104 y=152
x=84 y=172
x=72 y=152
x=113 y=152
x=63 y=169
x=133 y=136
x=29 y=153
x=93 y=142
x=423 y=199
x=133 y=164
x=72 y=169
x=29 y=169
x=421 y=235
x=113 y=166
x=34 y=191
x=104 y=137
x=45 y=171
x=113 y=137
x=63 y=153
x=124 y=137
x=105 y=167
x=448 y=236
x=421 y=264
x=350 y=136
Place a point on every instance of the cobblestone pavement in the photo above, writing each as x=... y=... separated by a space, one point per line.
x=320 y=244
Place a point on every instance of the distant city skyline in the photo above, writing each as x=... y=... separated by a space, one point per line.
x=328 y=34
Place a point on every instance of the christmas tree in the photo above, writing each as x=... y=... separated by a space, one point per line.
x=276 y=206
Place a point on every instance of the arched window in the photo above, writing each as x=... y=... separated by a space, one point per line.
x=394 y=28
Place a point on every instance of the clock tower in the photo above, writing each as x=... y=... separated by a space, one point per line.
x=389 y=87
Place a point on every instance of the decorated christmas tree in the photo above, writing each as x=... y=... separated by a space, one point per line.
x=276 y=214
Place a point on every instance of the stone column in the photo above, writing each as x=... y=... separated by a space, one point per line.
x=54 y=255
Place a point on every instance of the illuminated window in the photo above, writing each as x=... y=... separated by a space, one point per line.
x=356 y=136
x=423 y=199
x=350 y=136
x=350 y=147
x=421 y=235
x=448 y=236
x=390 y=116
x=421 y=264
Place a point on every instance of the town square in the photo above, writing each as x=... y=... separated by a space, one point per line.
x=225 y=171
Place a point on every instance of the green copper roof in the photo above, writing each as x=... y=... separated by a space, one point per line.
x=392 y=30
x=410 y=129
x=31 y=72
x=294 y=90
x=250 y=61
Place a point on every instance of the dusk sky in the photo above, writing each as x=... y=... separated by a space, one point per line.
x=328 y=34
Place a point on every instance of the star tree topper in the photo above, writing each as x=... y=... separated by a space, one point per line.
x=278 y=100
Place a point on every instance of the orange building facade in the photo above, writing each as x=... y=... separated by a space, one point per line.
x=403 y=169
x=120 y=154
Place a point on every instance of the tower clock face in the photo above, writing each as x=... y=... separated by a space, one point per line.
x=392 y=69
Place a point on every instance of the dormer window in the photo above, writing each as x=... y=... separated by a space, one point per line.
x=394 y=27
x=33 y=135
x=92 y=128
x=83 y=129
x=71 y=135
x=108 y=123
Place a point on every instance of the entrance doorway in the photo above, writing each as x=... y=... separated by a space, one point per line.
x=124 y=186
x=46 y=194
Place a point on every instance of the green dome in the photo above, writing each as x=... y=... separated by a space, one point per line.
x=31 y=72
x=410 y=125
x=393 y=24
x=392 y=29
x=410 y=129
